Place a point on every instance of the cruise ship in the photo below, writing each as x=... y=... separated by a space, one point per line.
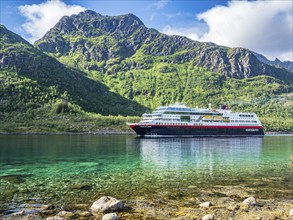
x=179 y=120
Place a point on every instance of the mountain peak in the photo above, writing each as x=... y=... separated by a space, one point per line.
x=92 y=24
x=132 y=17
x=87 y=14
x=90 y=12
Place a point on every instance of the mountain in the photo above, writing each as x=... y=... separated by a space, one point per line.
x=288 y=65
x=92 y=39
x=153 y=69
x=30 y=79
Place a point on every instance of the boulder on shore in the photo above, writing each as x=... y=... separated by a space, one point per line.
x=106 y=204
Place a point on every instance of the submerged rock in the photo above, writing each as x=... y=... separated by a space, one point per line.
x=106 y=204
x=251 y=201
x=208 y=217
x=233 y=191
x=25 y=212
x=81 y=187
x=110 y=216
x=22 y=212
x=48 y=207
x=14 y=178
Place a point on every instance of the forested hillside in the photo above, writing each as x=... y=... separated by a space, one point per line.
x=30 y=79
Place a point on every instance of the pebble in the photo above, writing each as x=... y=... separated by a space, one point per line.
x=251 y=201
x=83 y=214
x=65 y=214
x=110 y=216
x=22 y=212
x=233 y=207
x=205 y=204
x=208 y=217
x=291 y=212
x=269 y=217
x=48 y=207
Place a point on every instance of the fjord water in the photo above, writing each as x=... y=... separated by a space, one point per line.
x=67 y=169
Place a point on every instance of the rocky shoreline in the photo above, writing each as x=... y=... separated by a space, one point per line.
x=233 y=204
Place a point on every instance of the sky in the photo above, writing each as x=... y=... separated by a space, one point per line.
x=263 y=26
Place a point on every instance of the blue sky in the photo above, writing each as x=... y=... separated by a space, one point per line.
x=263 y=26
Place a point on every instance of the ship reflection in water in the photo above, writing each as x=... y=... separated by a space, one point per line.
x=204 y=154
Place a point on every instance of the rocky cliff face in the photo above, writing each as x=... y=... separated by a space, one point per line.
x=98 y=38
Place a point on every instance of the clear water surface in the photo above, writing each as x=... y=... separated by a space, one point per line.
x=63 y=169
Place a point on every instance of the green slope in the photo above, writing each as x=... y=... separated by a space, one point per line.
x=31 y=79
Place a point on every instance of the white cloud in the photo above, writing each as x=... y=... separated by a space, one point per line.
x=265 y=27
x=42 y=17
x=170 y=16
x=160 y=4
x=187 y=32
x=262 y=26
x=152 y=17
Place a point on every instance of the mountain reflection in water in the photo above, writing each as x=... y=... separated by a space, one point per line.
x=181 y=152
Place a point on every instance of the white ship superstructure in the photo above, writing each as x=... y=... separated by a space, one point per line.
x=180 y=114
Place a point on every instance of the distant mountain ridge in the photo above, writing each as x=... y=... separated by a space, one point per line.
x=288 y=65
x=124 y=36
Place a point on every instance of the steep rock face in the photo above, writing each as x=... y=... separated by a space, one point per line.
x=96 y=38
x=244 y=64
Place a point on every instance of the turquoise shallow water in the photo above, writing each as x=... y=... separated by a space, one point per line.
x=66 y=169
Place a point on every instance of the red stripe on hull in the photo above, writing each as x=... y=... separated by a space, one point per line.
x=199 y=126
